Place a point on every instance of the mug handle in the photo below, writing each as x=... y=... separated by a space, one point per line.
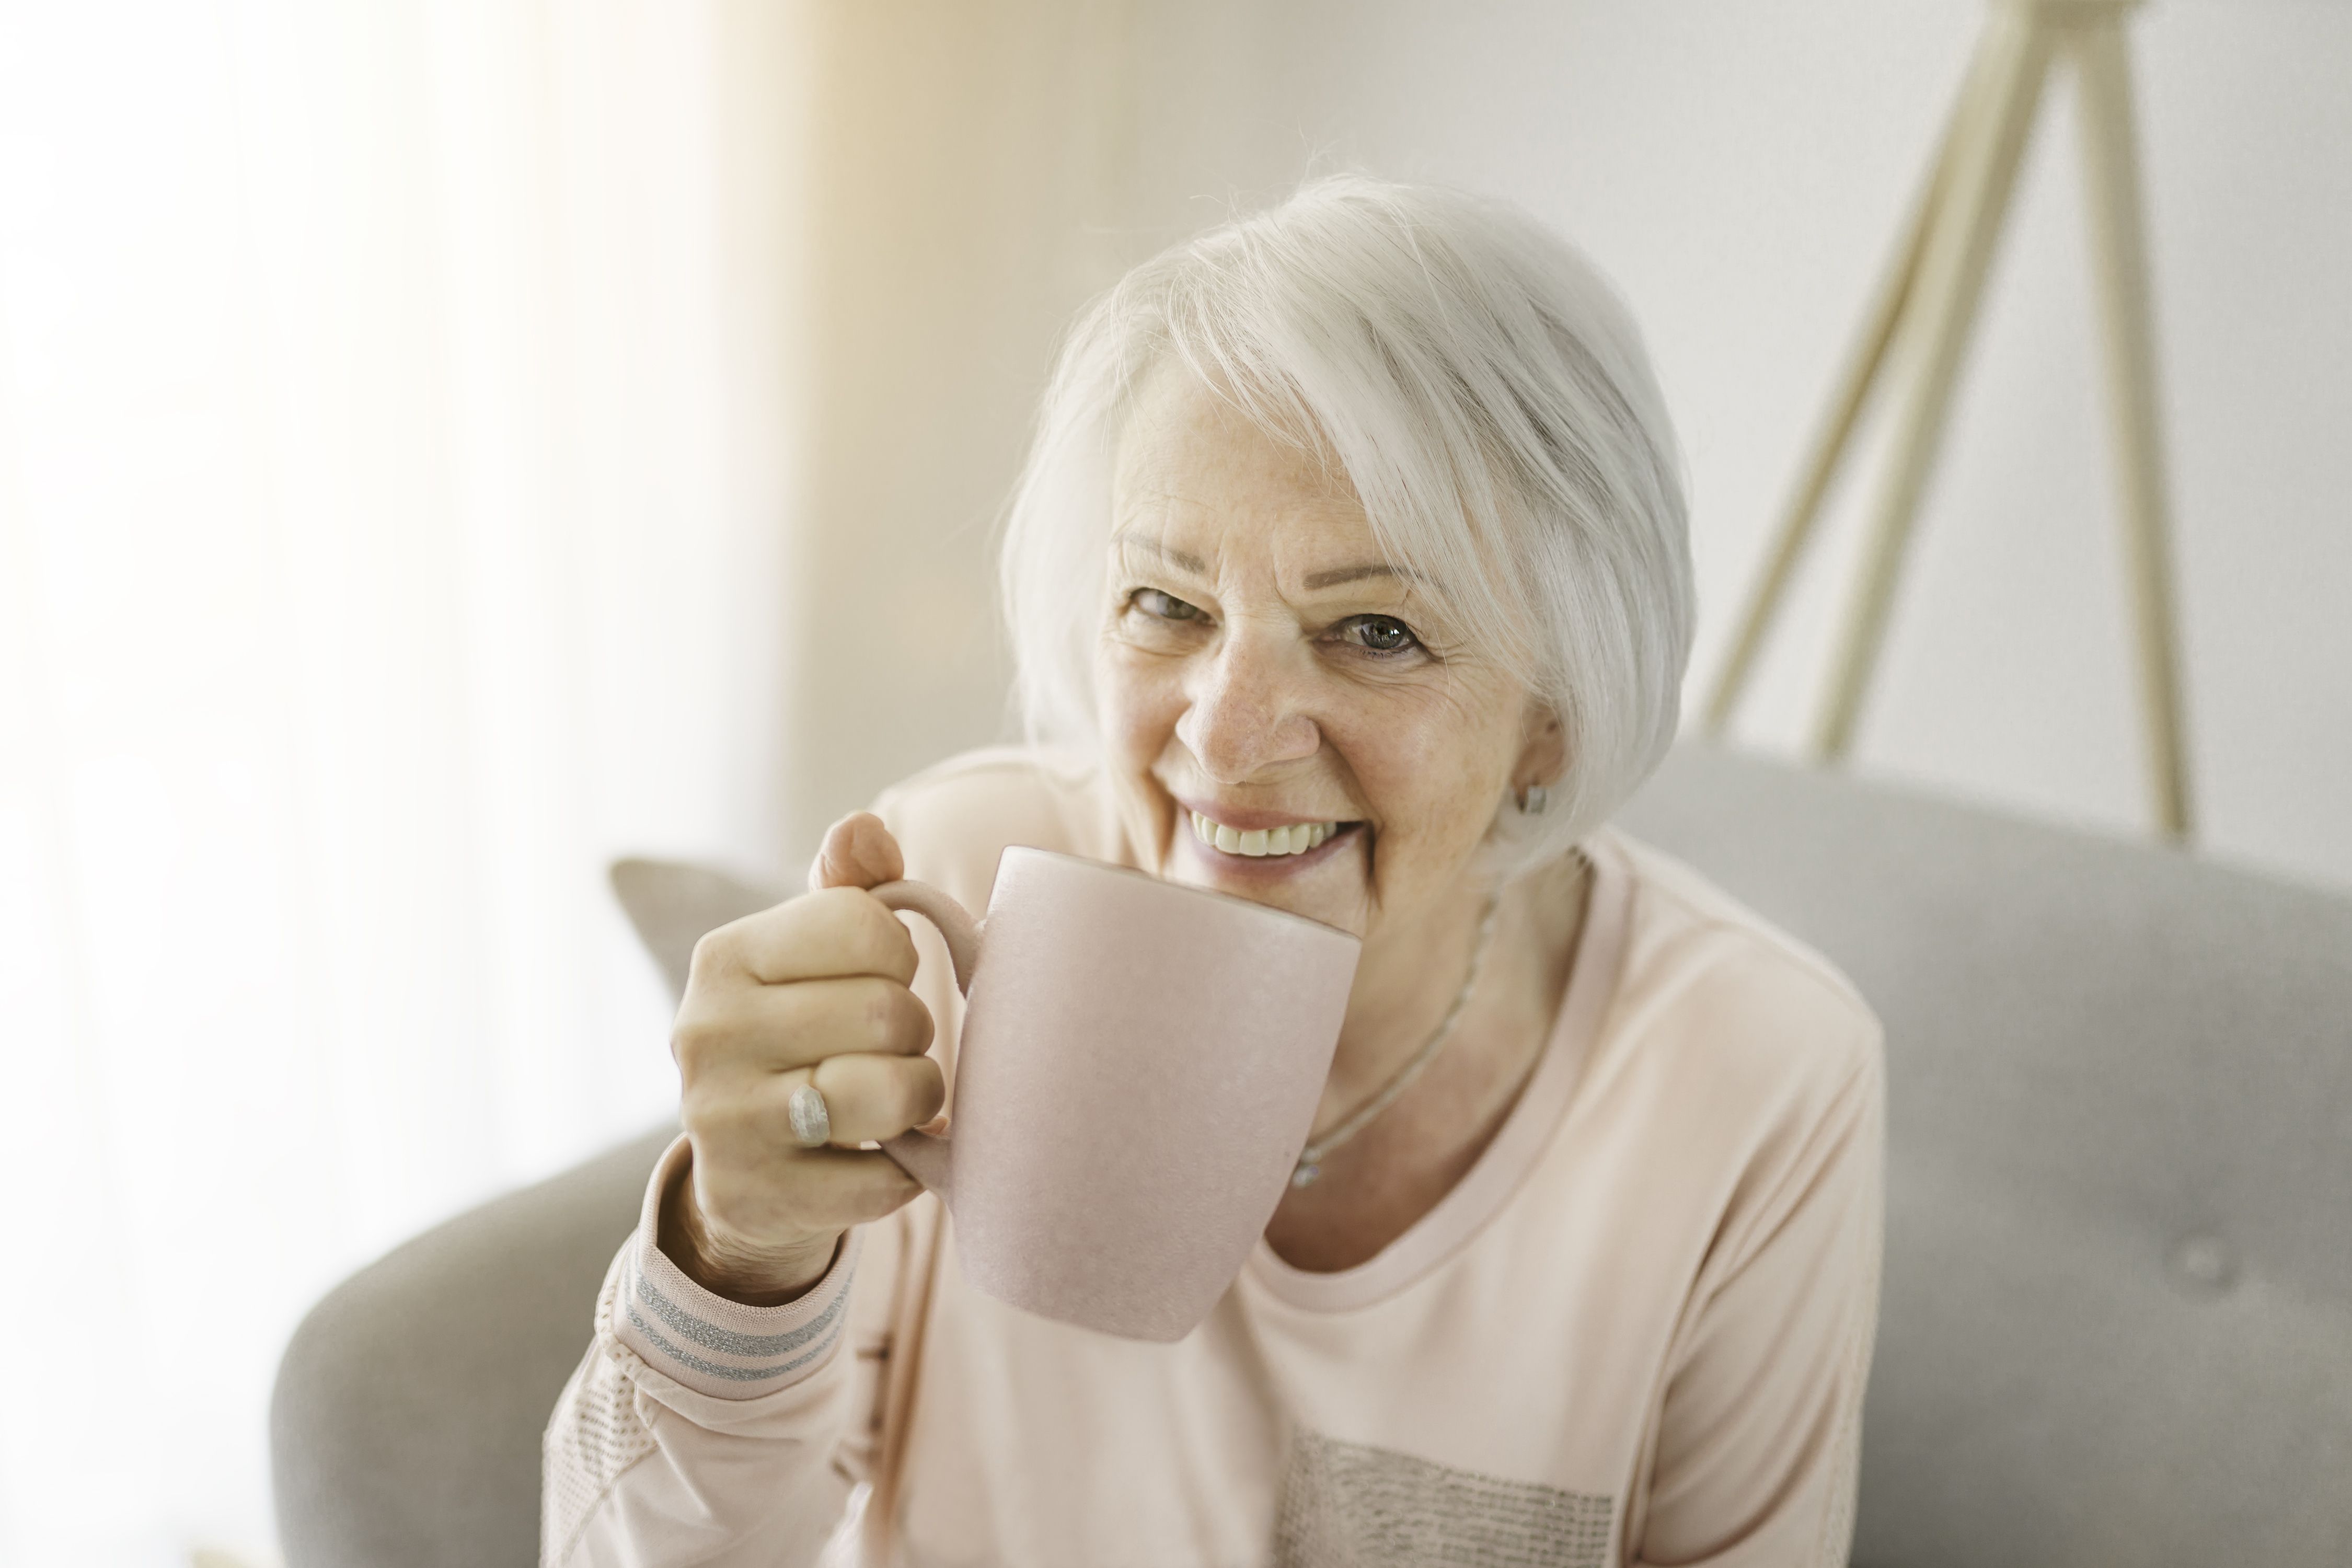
x=921 y=1154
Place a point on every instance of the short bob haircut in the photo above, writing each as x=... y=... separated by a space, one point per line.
x=1478 y=384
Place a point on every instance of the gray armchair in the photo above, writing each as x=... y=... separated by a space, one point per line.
x=2117 y=1312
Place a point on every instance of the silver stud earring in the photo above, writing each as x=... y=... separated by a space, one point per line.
x=1533 y=799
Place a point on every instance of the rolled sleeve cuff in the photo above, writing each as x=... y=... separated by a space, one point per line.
x=712 y=1345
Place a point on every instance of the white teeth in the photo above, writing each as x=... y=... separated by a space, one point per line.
x=1294 y=839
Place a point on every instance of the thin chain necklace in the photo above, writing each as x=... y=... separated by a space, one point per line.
x=1311 y=1158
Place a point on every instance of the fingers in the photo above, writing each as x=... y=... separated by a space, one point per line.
x=869 y=1098
x=829 y=1190
x=836 y=932
x=753 y=1178
x=866 y=1099
x=858 y=852
x=815 y=991
x=729 y=1032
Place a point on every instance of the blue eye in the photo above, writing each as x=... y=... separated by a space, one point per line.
x=1380 y=634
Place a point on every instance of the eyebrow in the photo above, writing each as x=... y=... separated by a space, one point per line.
x=1339 y=574
x=1185 y=559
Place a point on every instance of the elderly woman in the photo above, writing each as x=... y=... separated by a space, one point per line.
x=1349 y=574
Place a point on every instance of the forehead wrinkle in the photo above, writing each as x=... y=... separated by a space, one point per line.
x=1146 y=496
x=1127 y=539
x=1314 y=581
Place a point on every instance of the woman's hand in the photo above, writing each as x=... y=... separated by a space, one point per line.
x=811 y=990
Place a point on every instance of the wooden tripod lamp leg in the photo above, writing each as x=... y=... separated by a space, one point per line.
x=1950 y=283
x=1864 y=363
x=2112 y=190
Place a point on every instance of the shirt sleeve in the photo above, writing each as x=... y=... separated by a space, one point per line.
x=700 y=1430
x=1758 y=1439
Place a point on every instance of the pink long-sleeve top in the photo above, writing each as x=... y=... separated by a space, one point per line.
x=1637 y=1331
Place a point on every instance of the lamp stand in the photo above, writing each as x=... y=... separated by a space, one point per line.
x=1930 y=296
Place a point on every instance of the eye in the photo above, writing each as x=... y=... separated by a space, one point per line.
x=1379 y=634
x=1165 y=606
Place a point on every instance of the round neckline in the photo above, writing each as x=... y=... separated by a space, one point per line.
x=1516 y=1145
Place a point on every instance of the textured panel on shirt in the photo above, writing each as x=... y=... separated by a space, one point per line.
x=1345 y=1506
x=596 y=1434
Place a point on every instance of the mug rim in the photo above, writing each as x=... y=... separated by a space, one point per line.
x=1089 y=862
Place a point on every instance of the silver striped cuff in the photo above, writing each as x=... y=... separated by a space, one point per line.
x=710 y=1344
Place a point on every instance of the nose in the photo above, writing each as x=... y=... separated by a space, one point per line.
x=1246 y=710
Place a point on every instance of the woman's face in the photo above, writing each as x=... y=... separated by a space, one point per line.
x=1287 y=718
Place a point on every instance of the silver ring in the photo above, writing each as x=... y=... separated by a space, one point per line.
x=812 y=1122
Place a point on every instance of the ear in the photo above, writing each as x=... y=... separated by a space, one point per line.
x=1543 y=747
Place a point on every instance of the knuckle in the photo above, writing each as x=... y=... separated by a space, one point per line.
x=893 y=1093
x=713 y=953
x=926 y=1090
x=861 y=935
x=881 y=1017
x=907 y=1092
x=878 y=944
x=922 y=1028
x=708 y=1033
x=896 y=1019
x=855 y=1016
x=694 y=1039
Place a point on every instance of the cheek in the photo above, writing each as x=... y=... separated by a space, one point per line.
x=1431 y=771
x=1137 y=702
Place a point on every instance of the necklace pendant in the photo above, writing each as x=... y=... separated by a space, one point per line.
x=1305 y=1175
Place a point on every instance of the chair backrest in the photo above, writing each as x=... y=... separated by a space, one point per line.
x=2117 y=1323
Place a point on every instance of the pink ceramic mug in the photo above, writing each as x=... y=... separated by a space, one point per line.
x=1138 y=1072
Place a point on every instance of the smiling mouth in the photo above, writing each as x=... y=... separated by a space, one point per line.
x=1265 y=843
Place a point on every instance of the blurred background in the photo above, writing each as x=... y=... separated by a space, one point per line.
x=446 y=444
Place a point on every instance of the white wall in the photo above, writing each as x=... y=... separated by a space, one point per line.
x=1741 y=168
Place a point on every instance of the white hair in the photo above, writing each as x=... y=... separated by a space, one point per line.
x=1484 y=391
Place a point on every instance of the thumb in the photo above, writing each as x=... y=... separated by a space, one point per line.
x=858 y=853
